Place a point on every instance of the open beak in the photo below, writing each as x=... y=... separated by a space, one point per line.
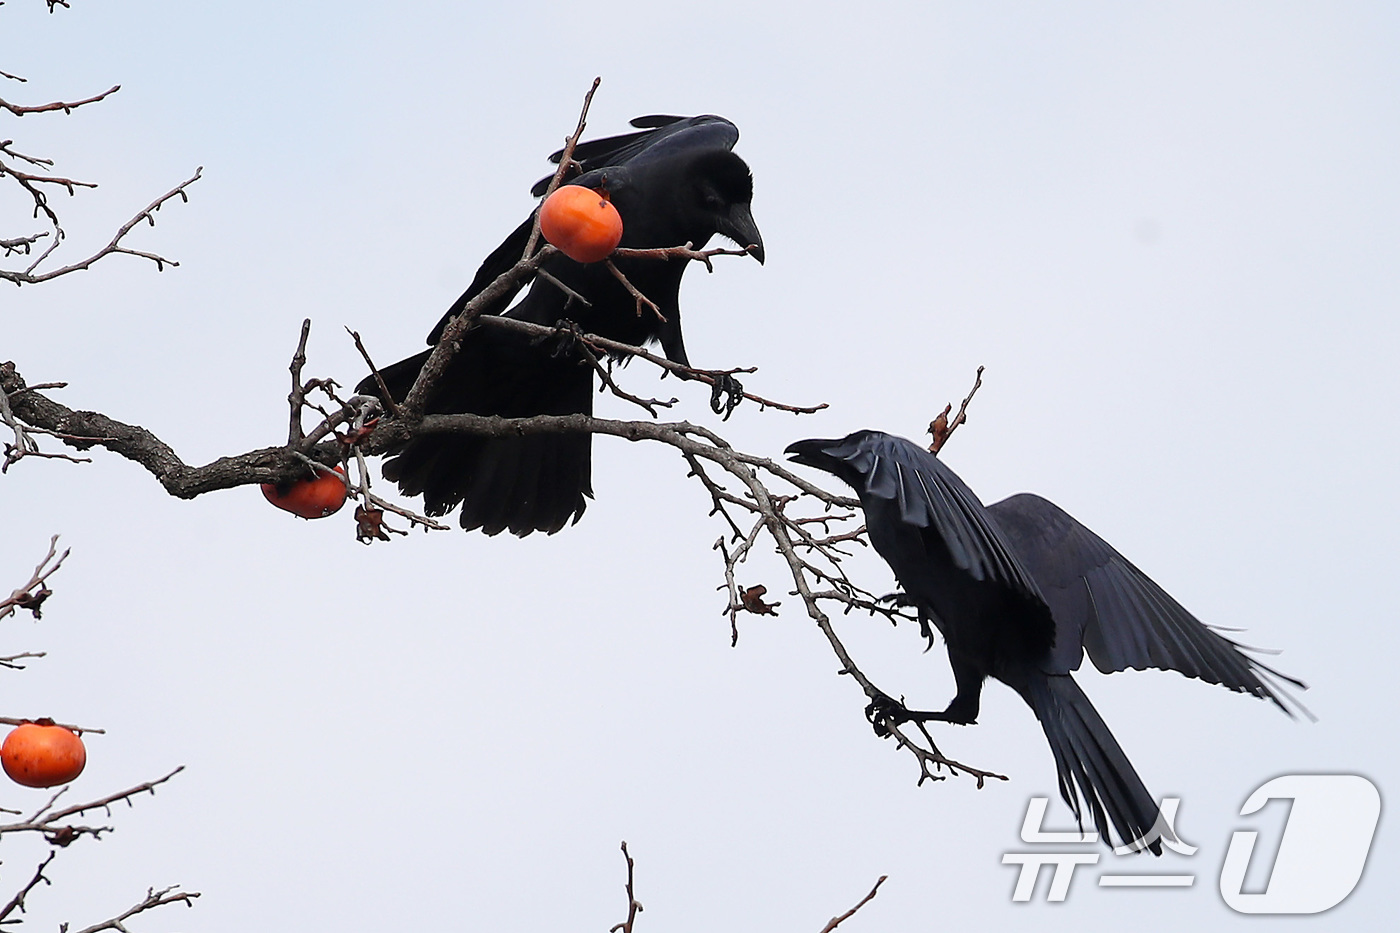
x=740 y=227
x=811 y=452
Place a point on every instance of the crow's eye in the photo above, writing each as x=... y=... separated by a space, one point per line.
x=709 y=200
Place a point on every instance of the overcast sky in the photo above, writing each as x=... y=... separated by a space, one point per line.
x=1169 y=231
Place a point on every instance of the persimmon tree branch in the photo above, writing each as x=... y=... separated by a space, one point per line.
x=941 y=428
x=31 y=595
x=33 y=176
x=836 y=921
x=566 y=164
x=152 y=900
x=17 y=902
x=20 y=110
x=55 y=826
x=634 y=906
x=29 y=275
x=813 y=560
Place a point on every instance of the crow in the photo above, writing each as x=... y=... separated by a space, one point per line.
x=674 y=182
x=1020 y=591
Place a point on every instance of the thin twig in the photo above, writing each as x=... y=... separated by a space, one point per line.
x=941 y=428
x=32 y=594
x=634 y=906
x=17 y=902
x=152 y=900
x=296 y=399
x=50 y=825
x=29 y=276
x=66 y=106
x=837 y=921
x=385 y=395
x=566 y=160
x=642 y=300
x=9 y=721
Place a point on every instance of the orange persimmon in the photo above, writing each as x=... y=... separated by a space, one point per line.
x=41 y=754
x=310 y=498
x=582 y=222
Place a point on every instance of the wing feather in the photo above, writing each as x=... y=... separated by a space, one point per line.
x=661 y=136
x=930 y=495
x=1119 y=615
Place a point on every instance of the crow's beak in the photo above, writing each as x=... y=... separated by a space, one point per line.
x=740 y=228
x=810 y=452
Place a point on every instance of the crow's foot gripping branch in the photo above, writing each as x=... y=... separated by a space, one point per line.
x=884 y=712
x=726 y=394
x=564 y=341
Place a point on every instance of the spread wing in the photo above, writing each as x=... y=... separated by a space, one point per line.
x=931 y=496
x=1104 y=605
x=661 y=137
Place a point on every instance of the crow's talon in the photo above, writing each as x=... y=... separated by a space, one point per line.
x=885 y=711
x=566 y=340
x=726 y=395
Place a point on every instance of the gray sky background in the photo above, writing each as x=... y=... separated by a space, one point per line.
x=1169 y=231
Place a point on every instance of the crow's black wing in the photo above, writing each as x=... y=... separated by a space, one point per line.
x=931 y=496
x=595 y=150
x=662 y=136
x=1104 y=605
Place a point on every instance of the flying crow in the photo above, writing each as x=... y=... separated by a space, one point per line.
x=675 y=181
x=1020 y=591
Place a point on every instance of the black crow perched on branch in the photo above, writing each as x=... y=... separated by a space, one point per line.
x=1020 y=591
x=674 y=182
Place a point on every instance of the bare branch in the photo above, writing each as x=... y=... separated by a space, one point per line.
x=50 y=823
x=296 y=399
x=386 y=397
x=634 y=906
x=613 y=347
x=941 y=428
x=566 y=162
x=837 y=921
x=29 y=276
x=152 y=900
x=31 y=595
x=642 y=300
x=17 y=902
x=686 y=252
x=9 y=721
x=20 y=110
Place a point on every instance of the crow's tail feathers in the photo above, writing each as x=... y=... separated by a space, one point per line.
x=1092 y=768
x=523 y=483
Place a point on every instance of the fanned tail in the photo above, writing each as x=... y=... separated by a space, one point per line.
x=1092 y=768
x=528 y=483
